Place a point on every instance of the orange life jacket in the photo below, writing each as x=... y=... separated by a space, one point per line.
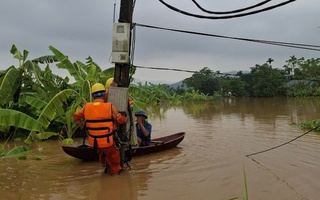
x=99 y=124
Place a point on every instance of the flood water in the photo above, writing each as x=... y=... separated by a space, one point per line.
x=208 y=164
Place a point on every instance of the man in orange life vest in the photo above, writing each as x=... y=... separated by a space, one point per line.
x=100 y=119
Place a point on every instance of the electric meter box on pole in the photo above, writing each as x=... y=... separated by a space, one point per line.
x=120 y=42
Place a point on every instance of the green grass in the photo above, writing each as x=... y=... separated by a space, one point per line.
x=245 y=188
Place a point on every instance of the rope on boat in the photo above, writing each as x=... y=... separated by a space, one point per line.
x=283 y=143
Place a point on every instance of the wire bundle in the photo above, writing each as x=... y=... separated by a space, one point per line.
x=228 y=14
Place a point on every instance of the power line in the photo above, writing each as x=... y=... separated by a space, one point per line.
x=284 y=44
x=180 y=70
x=215 y=72
x=283 y=143
x=227 y=16
x=167 y=69
x=230 y=12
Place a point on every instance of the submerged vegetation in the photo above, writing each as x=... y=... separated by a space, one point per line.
x=36 y=104
x=313 y=124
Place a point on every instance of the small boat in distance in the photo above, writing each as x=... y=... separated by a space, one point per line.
x=84 y=152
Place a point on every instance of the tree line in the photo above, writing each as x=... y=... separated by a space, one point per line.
x=297 y=78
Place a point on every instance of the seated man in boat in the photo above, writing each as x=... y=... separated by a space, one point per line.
x=100 y=118
x=143 y=128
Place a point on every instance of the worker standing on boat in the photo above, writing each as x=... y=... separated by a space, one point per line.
x=100 y=118
x=143 y=128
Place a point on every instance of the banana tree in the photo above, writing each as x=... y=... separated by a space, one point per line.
x=85 y=74
x=12 y=84
x=8 y=87
x=31 y=96
x=28 y=93
x=28 y=80
x=37 y=126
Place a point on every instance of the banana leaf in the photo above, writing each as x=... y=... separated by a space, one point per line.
x=90 y=70
x=46 y=59
x=54 y=105
x=46 y=135
x=35 y=102
x=17 y=150
x=85 y=92
x=70 y=126
x=30 y=137
x=90 y=62
x=16 y=53
x=107 y=73
x=8 y=82
x=31 y=66
x=66 y=64
x=18 y=119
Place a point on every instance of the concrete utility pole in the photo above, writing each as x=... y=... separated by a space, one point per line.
x=121 y=74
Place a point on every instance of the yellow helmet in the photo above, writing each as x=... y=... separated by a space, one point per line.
x=108 y=83
x=98 y=87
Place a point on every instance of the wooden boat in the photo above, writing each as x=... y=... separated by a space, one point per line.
x=84 y=152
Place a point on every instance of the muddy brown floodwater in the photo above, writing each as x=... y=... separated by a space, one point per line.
x=208 y=164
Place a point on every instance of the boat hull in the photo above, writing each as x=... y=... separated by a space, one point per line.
x=84 y=152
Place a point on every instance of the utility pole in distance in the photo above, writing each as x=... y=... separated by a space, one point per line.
x=121 y=74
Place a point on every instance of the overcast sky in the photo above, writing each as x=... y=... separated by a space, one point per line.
x=84 y=28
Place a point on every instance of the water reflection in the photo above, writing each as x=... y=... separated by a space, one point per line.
x=265 y=109
x=132 y=183
x=260 y=109
x=59 y=176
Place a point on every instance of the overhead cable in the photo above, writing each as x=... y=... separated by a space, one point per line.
x=227 y=16
x=216 y=73
x=181 y=70
x=283 y=143
x=285 y=44
x=167 y=69
x=230 y=12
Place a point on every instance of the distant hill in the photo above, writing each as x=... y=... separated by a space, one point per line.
x=177 y=84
